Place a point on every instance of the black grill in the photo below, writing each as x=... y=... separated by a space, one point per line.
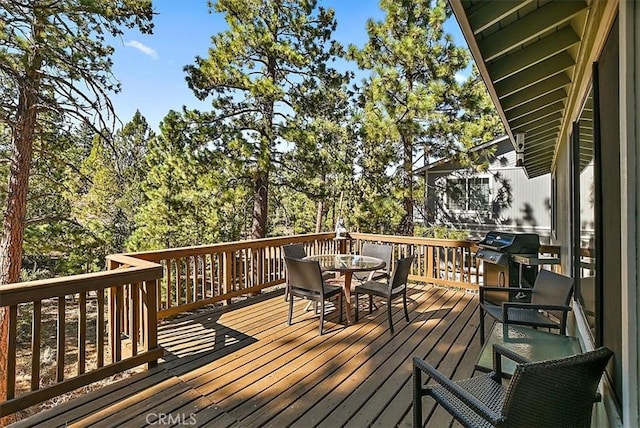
x=499 y=269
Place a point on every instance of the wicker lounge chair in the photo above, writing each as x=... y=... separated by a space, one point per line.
x=551 y=293
x=552 y=393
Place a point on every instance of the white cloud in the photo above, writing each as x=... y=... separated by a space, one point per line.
x=460 y=78
x=142 y=48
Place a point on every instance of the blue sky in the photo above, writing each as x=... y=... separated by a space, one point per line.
x=150 y=67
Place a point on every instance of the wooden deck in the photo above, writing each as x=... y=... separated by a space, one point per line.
x=243 y=366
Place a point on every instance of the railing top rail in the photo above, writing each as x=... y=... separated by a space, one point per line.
x=23 y=292
x=412 y=239
x=225 y=246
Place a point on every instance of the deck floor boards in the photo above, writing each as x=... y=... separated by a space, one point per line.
x=243 y=366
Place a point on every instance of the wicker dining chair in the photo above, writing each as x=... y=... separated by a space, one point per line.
x=297 y=251
x=551 y=393
x=551 y=293
x=392 y=288
x=305 y=281
x=380 y=251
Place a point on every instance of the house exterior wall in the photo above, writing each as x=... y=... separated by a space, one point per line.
x=620 y=236
x=517 y=204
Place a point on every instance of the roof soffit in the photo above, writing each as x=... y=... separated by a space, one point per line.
x=526 y=52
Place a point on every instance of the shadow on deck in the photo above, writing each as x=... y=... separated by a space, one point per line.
x=244 y=366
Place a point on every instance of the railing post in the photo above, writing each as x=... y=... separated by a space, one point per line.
x=150 y=316
x=112 y=314
x=429 y=273
x=227 y=273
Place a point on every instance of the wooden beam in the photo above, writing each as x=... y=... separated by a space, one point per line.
x=545 y=121
x=538 y=73
x=532 y=25
x=491 y=12
x=538 y=114
x=545 y=135
x=533 y=54
x=539 y=134
x=538 y=170
x=541 y=150
x=537 y=104
x=538 y=90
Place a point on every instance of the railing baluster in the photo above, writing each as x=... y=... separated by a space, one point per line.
x=178 y=281
x=119 y=314
x=61 y=339
x=167 y=281
x=203 y=277
x=188 y=278
x=151 y=318
x=212 y=273
x=227 y=275
x=135 y=318
x=82 y=332
x=36 y=327
x=11 y=351
x=100 y=328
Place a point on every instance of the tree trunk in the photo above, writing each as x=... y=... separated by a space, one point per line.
x=15 y=212
x=319 y=215
x=260 y=206
x=406 y=227
x=14 y=215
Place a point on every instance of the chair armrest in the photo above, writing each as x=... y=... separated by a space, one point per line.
x=523 y=305
x=498 y=351
x=468 y=399
x=483 y=289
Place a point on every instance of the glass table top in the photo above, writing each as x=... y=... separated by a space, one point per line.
x=344 y=262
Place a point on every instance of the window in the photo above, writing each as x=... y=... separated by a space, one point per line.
x=468 y=194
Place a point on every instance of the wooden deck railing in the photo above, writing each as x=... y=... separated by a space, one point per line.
x=444 y=262
x=146 y=286
x=42 y=312
x=198 y=276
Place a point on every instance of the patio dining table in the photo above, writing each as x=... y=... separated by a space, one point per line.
x=347 y=264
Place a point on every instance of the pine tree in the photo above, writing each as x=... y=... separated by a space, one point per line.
x=413 y=64
x=116 y=169
x=257 y=73
x=186 y=193
x=320 y=164
x=53 y=58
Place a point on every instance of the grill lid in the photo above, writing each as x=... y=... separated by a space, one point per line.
x=512 y=243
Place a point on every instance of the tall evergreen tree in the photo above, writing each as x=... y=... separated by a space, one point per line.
x=414 y=64
x=256 y=73
x=186 y=191
x=53 y=58
x=55 y=243
x=320 y=164
x=116 y=170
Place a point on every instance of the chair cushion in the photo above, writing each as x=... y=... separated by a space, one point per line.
x=485 y=389
x=373 y=287
x=530 y=317
x=520 y=316
x=329 y=291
